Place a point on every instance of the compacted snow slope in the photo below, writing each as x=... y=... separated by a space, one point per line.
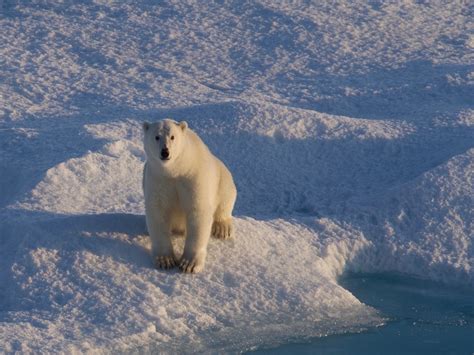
x=349 y=128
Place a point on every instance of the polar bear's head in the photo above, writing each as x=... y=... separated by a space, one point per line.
x=164 y=140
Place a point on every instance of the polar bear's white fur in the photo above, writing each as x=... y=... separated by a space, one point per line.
x=187 y=191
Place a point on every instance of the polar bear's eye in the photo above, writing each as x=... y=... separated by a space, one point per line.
x=172 y=138
x=157 y=138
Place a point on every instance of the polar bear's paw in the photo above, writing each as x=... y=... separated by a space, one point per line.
x=165 y=262
x=222 y=229
x=192 y=265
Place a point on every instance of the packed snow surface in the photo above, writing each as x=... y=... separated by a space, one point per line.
x=348 y=127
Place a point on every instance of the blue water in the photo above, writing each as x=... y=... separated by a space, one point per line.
x=425 y=318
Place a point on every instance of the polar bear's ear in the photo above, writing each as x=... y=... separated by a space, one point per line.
x=146 y=126
x=183 y=125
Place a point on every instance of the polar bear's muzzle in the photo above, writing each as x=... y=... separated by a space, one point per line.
x=165 y=154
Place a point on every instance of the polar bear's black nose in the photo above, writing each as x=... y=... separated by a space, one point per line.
x=165 y=153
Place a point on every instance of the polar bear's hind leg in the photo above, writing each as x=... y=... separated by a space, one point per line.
x=223 y=229
x=222 y=226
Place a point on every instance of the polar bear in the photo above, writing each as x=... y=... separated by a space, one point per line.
x=187 y=191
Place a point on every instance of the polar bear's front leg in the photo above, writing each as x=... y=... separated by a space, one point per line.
x=161 y=246
x=199 y=223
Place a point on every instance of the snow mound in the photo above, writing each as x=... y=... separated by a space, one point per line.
x=425 y=227
x=93 y=286
x=97 y=182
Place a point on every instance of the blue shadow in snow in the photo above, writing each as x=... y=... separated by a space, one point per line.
x=68 y=236
x=414 y=92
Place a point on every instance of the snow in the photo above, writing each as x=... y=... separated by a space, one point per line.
x=348 y=128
